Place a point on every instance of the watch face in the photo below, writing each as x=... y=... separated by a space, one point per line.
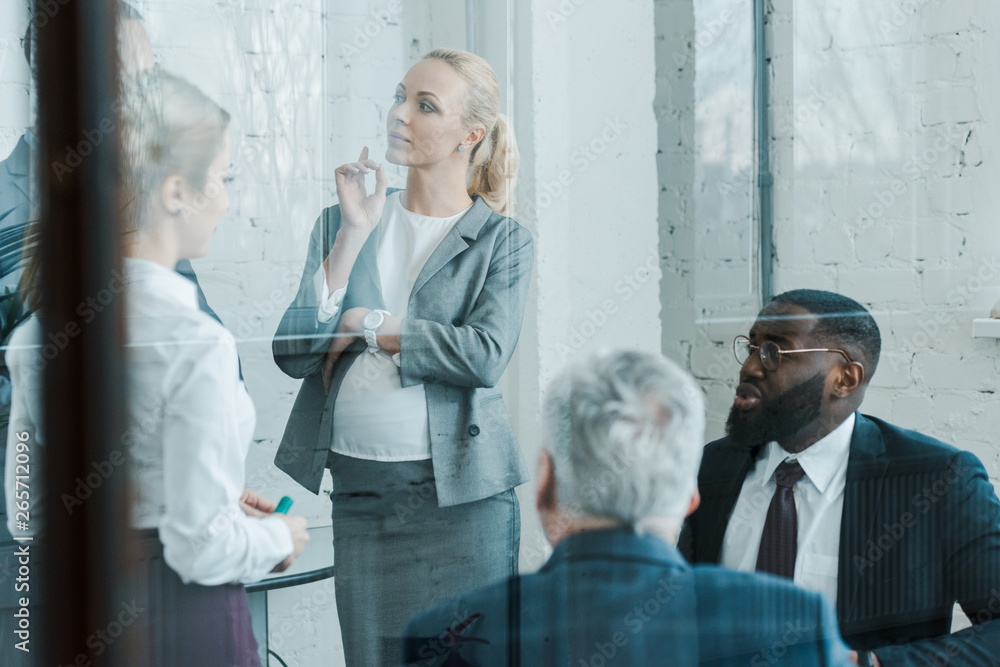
x=373 y=320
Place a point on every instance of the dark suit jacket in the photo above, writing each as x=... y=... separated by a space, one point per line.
x=920 y=531
x=616 y=598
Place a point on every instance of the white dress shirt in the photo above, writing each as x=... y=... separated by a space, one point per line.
x=190 y=426
x=819 y=505
x=375 y=417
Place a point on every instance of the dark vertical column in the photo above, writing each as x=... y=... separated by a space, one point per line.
x=765 y=179
x=82 y=295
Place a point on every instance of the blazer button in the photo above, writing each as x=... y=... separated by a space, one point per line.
x=473 y=430
x=456 y=322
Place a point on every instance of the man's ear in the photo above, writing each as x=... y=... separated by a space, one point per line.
x=545 y=487
x=695 y=501
x=850 y=379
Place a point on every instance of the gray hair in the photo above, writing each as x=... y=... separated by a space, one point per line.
x=625 y=430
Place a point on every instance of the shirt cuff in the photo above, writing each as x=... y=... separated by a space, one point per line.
x=329 y=304
x=277 y=548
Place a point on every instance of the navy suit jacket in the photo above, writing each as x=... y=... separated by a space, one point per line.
x=920 y=531
x=613 y=597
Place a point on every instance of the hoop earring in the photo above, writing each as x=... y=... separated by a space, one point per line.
x=462 y=148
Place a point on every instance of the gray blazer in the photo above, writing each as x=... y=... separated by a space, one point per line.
x=464 y=319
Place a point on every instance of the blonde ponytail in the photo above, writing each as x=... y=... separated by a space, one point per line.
x=494 y=165
x=494 y=161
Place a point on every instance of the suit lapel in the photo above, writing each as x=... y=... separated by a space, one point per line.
x=364 y=287
x=365 y=274
x=454 y=242
x=866 y=469
x=720 y=494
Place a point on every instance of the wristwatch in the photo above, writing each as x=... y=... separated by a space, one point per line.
x=371 y=323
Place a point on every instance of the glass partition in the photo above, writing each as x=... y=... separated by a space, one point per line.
x=359 y=240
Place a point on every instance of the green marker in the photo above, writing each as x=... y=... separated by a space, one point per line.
x=284 y=505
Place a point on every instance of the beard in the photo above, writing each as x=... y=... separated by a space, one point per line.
x=780 y=418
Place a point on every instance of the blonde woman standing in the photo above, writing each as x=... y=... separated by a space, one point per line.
x=201 y=535
x=408 y=312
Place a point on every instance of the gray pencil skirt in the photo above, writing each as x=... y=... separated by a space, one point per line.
x=397 y=553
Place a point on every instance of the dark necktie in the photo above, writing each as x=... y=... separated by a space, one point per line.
x=779 y=541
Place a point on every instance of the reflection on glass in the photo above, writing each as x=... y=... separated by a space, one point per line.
x=380 y=359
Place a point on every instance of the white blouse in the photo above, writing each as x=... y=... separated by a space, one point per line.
x=191 y=421
x=374 y=416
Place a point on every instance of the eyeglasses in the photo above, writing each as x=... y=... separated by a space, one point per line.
x=770 y=353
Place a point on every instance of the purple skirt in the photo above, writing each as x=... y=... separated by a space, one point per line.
x=188 y=624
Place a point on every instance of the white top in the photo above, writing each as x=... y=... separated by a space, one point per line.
x=819 y=505
x=190 y=426
x=374 y=416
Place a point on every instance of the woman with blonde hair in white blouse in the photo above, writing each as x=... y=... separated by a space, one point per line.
x=202 y=535
x=408 y=312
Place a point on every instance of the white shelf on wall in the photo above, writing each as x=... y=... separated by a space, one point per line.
x=986 y=328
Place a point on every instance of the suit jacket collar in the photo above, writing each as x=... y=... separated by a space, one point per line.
x=723 y=483
x=365 y=283
x=866 y=470
x=866 y=467
x=455 y=241
x=614 y=544
x=867 y=448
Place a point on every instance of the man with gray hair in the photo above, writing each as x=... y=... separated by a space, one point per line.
x=616 y=477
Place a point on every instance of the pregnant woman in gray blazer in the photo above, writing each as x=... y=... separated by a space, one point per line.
x=407 y=314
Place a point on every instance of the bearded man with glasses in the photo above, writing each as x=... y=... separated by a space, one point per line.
x=893 y=526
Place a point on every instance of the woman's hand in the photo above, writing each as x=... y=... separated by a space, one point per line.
x=348 y=331
x=256 y=505
x=297 y=526
x=360 y=211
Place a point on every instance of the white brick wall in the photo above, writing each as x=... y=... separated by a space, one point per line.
x=883 y=192
x=915 y=206
x=587 y=193
x=706 y=173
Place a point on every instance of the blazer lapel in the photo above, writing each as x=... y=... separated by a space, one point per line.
x=866 y=467
x=720 y=494
x=454 y=242
x=365 y=288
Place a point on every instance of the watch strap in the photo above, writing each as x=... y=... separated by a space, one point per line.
x=370 y=338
